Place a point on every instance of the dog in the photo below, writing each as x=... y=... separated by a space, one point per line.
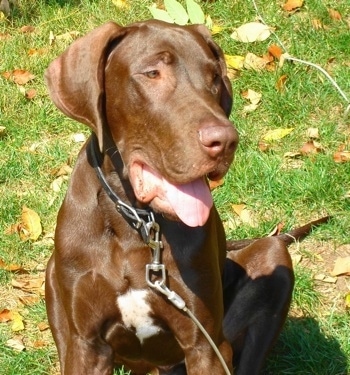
x=141 y=275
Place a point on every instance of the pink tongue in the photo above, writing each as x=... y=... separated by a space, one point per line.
x=191 y=202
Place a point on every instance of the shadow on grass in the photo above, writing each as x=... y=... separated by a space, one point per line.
x=304 y=349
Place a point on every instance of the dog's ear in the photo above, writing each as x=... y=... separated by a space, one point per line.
x=76 y=78
x=226 y=88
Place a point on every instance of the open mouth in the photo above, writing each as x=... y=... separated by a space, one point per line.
x=190 y=202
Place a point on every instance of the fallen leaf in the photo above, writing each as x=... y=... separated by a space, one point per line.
x=176 y=11
x=252 y=61
x=2 y=130
x=17 y=320
x=245 y=215
x=313 y=133
x=311 y=147
x=251 y=32
x=78 y=138
x=317 y=24
x=341 y=156
x=27 y=29
x=334 y=14
x=214 y=184
x=19 y=76
x=69 y=36
x=250 y=107
x=325 y=279
x=30 y=225
x=122 y=4
x=5 y=316
x=195 y=12
x=347 y=301
x=341 y=266
x=30 y=94
x=16 y=344
x=37 y=52
x=234 y=62
x=253 y=96
x=43 y=326
x=281 y=82
x=291 y=5
x=263 y=146
x=11 y=267
x=276 y=230
x=5 y=36
x=275 y=51
x=215 y=29
x=29 y=300
x=57 y=183
x=276 y=134
x=64 y=170
x=29 y=283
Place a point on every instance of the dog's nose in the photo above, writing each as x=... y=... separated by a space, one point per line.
x=219 y=139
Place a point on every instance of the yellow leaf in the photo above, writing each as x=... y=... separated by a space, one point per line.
x=347 y=301
x=234 y=62
x=17 y=324
x=30 y=225
x=120 y=3
x=274 y=135
x=216 y=29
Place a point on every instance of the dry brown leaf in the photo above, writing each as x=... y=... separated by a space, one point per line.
x=291 y=5
x=311 y=147
x=341 y=266
x=263 y=146
x=275 y=51
x=4 y=36
x=334 y=14
x=254 y=62
x=313 y=133
x=30 y=283
x=214 y=184
x=19 y=76
x=30 y=94
x=43 y=326
x=29 y=300
x=5 y=316
x=245 y=215
x=27 y=29
x=341 y=156
x=317 y=24
x=30 y=226
x=281 y=82
x=325 y=279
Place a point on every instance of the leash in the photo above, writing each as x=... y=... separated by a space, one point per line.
x=144 y=222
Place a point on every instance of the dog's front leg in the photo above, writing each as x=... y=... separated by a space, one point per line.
x=85 y=358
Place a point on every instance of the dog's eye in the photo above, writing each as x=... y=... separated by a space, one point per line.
x=152 y=74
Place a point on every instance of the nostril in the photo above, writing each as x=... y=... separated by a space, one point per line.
x=218 y=139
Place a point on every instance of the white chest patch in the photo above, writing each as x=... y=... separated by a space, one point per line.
x=135 y=313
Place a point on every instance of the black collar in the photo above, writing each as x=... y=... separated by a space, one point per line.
x=139 y=219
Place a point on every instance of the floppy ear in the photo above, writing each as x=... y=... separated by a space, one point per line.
x=226 y=88
x=76 y=78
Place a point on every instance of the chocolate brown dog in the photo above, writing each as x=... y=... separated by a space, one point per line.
x=139 y=245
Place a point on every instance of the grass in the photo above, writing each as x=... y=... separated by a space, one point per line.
x=38 y=141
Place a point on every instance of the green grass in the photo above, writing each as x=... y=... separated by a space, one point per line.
x=38 y=141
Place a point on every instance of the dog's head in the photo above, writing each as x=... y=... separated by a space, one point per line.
x=162 y=93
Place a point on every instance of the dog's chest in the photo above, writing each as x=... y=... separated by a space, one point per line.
x=136 y=313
